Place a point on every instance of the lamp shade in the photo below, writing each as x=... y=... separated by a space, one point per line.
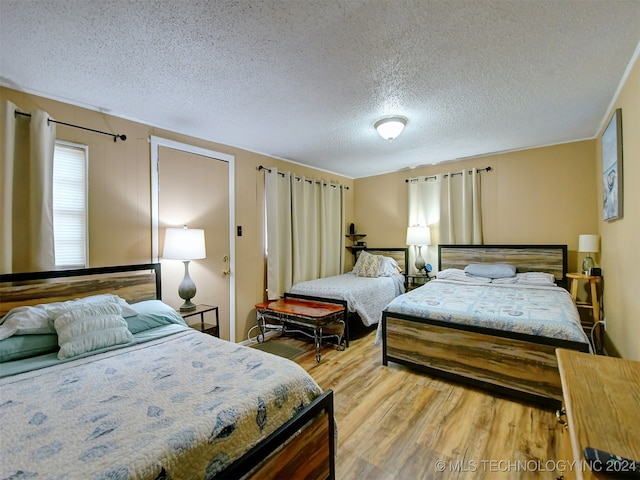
x=184 y=244
x=589 y=243
x=418 y=236
x=390 y=127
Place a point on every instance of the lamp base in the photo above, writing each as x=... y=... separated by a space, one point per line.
x=420 y=263
x=187 y=305
x=187 y=290
x=587 y=264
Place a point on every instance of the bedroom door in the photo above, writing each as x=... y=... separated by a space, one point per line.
x=193 y=188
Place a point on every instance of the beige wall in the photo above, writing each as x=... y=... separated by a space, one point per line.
x=120 y=195
x=542 y=195
x=620 y=239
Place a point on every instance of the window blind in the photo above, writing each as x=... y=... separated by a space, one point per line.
x=70 y=204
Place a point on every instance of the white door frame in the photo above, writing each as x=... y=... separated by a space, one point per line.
x=156 y=143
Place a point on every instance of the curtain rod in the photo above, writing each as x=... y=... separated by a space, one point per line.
x=298 y=178
x=115 y=136
x=486 y=169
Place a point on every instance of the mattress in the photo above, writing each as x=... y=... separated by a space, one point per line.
x=546 y=311
x=181 y=406
x=366 y=296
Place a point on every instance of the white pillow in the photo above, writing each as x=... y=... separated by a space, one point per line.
x=25 y=321
x=388 y=267
x=505 y=280
x=536 y=278
x=37 y=319
x=53 y=309
x=458 y=275
x=86 y=327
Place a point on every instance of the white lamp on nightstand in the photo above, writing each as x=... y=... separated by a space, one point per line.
x=419 y=236
x=185 y=244
x=588 y=244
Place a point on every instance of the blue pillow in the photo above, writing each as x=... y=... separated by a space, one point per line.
x=490 y=270
x=152 y=314
x=26 y=346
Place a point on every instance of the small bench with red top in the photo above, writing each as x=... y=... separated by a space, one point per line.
x=307 y=313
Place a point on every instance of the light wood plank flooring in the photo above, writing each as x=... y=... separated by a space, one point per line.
x=394 y=423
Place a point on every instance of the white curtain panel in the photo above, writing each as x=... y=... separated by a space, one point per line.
x=462 y=194
x=450 y=205
x=332 y=231
x=305 y=207
x=42 y=143
x=279 y=233
x=305 y=230
x=27 y=191
x=424 y=209
x=7 y=141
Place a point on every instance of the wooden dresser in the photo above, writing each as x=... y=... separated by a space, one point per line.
x=601 y=409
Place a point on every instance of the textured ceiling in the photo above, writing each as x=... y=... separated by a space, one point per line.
x=305 y=80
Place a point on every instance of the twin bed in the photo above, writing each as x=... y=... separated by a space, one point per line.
x=367 y=290
x=499 y=334
x=141 y=395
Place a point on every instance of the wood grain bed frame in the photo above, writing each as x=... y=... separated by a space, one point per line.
x=304 y=447
x=518 y=365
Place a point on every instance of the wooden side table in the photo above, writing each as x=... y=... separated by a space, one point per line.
x=202 y=326
x=600 y=411
x=593 y=305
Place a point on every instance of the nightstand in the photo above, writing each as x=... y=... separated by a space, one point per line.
x=415 y=281
x=202 y=326
x=592 y=305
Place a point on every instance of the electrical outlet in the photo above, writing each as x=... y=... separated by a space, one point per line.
x=604 y=324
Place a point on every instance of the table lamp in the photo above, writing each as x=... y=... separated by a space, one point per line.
x=588 y=244
x=185 y=244
x=419 y=236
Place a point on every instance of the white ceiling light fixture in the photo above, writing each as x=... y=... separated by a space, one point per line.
x=390 y=127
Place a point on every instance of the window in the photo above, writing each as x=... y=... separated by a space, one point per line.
x=70 y=204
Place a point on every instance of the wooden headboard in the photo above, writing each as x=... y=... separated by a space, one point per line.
x=526 y=258
x=134 y=283
x=399 y=254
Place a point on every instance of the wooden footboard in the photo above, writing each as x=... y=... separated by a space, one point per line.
x=523 y=366
x=303 y=448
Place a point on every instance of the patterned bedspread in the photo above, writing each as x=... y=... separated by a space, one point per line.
x=181 y=407
x=367 y=296
x=541 y=311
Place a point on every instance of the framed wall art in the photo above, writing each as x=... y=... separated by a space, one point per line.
x=612 y=168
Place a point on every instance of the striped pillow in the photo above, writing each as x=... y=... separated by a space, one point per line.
x=88 y=327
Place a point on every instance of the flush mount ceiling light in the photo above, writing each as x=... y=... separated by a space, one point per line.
x=390 y=127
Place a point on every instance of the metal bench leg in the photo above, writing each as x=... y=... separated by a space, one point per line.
x=317 y=333
x=260 y=322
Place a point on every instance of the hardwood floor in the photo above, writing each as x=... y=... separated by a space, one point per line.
x=394 y=423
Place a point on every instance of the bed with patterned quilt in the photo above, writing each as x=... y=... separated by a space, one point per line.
x=492 y=317
x=104 y=387
x=376 y=279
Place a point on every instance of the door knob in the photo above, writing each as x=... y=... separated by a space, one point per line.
x=226 y=271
